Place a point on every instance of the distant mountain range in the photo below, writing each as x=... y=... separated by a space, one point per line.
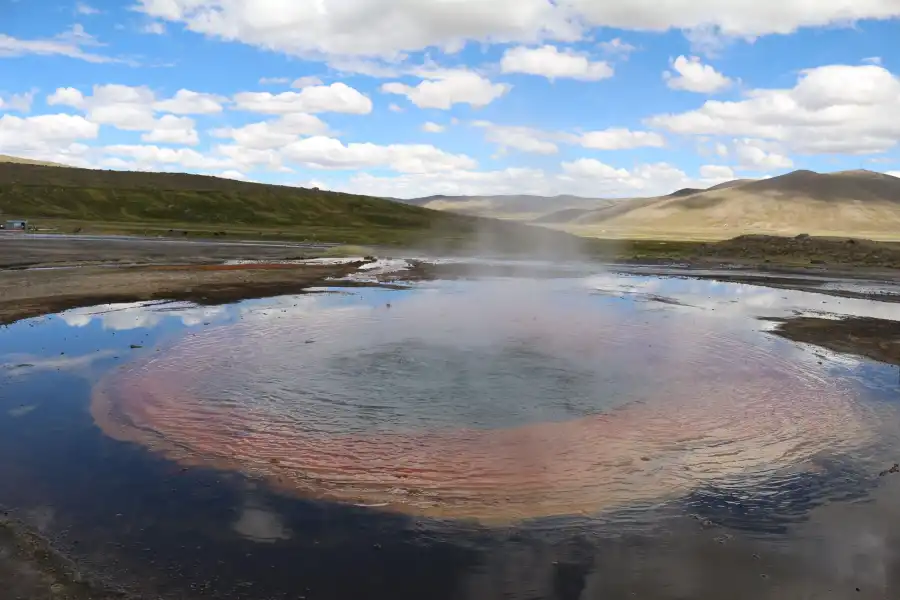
x=518 y=207
x=860 y=203
x=857 y=203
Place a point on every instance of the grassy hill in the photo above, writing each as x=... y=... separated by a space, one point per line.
x=845 y=204
x=140 y=202
x=4 y=158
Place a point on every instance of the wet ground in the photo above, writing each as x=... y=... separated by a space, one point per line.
x=19 y=250
x=878 y=339
x=590 y=436
x=32 y=292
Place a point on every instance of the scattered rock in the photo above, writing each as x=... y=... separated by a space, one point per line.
x=894 y=469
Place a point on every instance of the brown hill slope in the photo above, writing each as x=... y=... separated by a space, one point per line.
x=4 y=158
x=848 y=203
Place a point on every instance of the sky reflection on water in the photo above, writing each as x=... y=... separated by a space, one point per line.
x=80 y=485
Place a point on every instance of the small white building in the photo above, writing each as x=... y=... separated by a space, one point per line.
x=16 y=225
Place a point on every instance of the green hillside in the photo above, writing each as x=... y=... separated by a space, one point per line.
x=129 y=201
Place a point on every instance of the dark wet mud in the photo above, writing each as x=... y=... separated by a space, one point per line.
x=30 y=568
x=878 y=339
x=26 y=251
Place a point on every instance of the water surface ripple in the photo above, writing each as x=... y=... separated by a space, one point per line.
x=495 y=401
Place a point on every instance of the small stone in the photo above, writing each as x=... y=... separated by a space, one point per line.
x=894 y=469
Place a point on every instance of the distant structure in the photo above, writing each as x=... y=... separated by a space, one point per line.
x=15 y=225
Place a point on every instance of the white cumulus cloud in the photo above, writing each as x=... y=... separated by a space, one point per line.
x=170 y=129
x=391 y=28
x=365 y=27
x=759 y=155
x=280 y=132
x=330 y=153
x=831 y=109
x=337 y=97
x=305 y=82
x=146 y=157
x=691 y=75
x=74 y=43
x=524 y=139
x=551 y=62
x=134 y=109
x=443 y=88
x=716 y=172
x=17 y=102
x=430 y=127
x=617 y=47
x=187 y=102
x=17 y=132
x=621 y=139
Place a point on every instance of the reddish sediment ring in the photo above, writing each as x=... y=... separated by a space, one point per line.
x=747 y=422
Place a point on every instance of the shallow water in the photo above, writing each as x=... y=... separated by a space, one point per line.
x=585 y=437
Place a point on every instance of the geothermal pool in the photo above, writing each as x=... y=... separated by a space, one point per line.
x=488 y=431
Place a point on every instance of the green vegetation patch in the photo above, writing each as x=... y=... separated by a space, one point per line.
x=183 y=204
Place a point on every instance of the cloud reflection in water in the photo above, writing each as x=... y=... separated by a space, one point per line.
x=441 y=405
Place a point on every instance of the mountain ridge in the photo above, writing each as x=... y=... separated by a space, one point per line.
x=860 y=202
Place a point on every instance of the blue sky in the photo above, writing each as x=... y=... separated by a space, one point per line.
x=406 y=98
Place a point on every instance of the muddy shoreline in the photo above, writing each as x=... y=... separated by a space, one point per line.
x=33 y=293
x=876 y=339
x=30 y=567
x=798 y=279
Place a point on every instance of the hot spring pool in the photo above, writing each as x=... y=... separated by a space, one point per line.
x=590 y=436
x=490 y=400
